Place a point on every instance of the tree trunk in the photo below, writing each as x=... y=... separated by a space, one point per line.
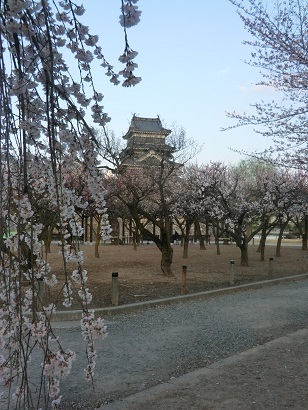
x=278 y=246
x=130 y=231
x=185 y=247
x=244 y=256
x=304 y=242
x=135 y=243
x=216 y=234
x=186 y=239
x=199 y=235
x=96 y=252
x=262 y=244
x=207 y=231
x=91 y=228
x=86 y=229
x=47 y=237
x=281 y=231
x=305 y=235
x=166 y=248
x=244 y=252
x=182 y=240
x=98 y=236
x=115 y=227
x=162 y=242
x=166 y=260
x=47 y=245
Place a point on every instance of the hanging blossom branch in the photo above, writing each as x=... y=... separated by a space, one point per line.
x=130 y=17
x=44 y=133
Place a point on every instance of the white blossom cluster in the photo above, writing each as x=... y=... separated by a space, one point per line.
x=92 y=329
x=130 y=17
x=130 y=14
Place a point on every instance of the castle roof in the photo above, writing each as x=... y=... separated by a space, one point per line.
x=146 y=125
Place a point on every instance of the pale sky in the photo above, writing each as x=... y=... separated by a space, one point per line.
x=191 y=63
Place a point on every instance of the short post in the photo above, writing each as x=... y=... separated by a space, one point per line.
x=184 y=272
x=115 y=289
x=232 y=273
x=271 y=266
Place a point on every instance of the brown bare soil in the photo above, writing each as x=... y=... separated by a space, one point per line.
x=140 y=277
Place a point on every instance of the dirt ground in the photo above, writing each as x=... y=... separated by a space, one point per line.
x=140 y=277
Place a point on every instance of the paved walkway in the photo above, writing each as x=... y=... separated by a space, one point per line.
x=270 y=376
x=71 y=315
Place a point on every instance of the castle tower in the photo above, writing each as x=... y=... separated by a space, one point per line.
x=146 y=144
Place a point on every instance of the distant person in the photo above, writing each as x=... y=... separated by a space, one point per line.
x=176 y=237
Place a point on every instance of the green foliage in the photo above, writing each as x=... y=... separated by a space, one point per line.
x=252 y=166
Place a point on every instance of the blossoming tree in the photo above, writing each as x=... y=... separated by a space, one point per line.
x=149 y=192
x=147 y=195
x=188 y=208
x=279 y=49
x=44 y=131
x=237 y=204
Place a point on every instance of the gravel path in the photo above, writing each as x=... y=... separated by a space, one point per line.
x=150 y=347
